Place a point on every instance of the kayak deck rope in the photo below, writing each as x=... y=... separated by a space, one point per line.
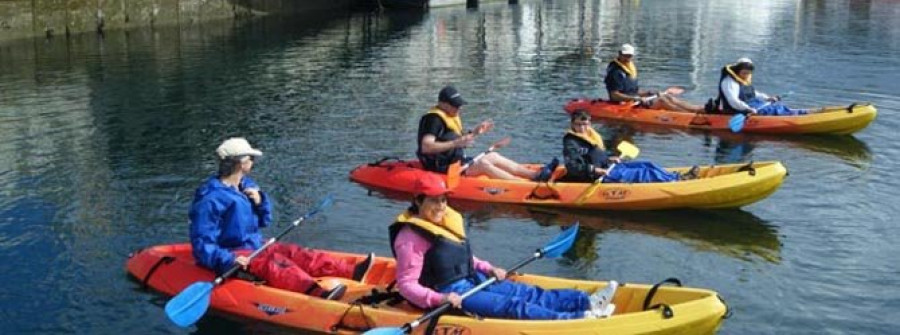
x=728 y=311
x=163 y=260
x=374 y=298
x=548 y=192
x=749 y=168
x=385 y=159
x=667 y=311
x=341 y=325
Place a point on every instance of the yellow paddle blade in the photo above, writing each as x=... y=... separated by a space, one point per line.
x=628 y=150
x=453 y=173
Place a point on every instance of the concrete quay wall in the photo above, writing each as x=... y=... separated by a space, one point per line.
x=28 y=18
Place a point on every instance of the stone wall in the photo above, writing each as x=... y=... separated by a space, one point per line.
x=27 y=18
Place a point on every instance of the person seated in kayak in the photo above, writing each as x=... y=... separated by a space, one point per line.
x=737 y=95
x=622 y=85
x=226 y=215
x=586 y=159
x=435 y=265
x=441 y=141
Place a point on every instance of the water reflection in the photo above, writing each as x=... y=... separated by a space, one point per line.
x=731 y=147
x=732 y=233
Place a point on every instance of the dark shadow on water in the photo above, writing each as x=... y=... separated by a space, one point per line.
x=738 y=147
x=733 y=233
x=216 y=323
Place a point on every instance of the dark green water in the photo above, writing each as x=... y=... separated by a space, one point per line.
x=104 y=140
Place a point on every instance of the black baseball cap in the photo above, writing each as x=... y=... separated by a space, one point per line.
x=450 y=95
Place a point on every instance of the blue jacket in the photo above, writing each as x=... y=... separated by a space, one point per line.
x=224 y=219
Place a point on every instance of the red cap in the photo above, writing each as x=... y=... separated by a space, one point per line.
x=431 y=184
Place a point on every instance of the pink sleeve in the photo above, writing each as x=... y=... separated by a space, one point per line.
x=410 y=249
x=482 y=266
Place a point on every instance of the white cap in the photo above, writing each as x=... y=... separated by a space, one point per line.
x=627 y=49
x=236 y=146
x=744 y=60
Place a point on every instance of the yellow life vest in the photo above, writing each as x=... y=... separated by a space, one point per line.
x=630 y=69
x=452 y=227
x=592 y=137
x=737 y=78
x=454 y=123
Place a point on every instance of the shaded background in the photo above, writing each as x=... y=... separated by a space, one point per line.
x=104 y=140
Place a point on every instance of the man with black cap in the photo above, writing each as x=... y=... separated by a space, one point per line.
x=622 y=85
x=441 y=141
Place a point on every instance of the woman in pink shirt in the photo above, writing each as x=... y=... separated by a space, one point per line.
x=435 y=265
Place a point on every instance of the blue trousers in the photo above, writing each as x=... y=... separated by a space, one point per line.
x=511 y=300
x=776 y=108
x=639 y=172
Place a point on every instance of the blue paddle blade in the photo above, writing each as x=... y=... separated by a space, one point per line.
x=737 y=122
x=385 y=331
x=189 y=306
x=561 y=243
x=325 y=203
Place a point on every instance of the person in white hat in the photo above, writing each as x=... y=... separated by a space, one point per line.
x=622 y=85
x=737 y=94
x=226 y=215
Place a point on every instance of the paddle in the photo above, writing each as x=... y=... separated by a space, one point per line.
x=189 y=306
x=626 y=151
x=736 y=123
x=455 y=170
x=555 y=248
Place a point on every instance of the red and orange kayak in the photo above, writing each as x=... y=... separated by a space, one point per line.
x=170 y=268
x=719 y=186
x=825 y=120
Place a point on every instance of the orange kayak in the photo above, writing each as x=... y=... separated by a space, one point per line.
x=170 y=268
x=719 y=186
x=825 y=120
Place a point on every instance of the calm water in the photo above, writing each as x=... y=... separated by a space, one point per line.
x=104 y=140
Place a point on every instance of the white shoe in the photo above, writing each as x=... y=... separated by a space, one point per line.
x=600 y=314
x=602 y=298
x=607 y=312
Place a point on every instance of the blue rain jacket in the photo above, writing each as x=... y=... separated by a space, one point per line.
x=223 y=219
x=639 y=172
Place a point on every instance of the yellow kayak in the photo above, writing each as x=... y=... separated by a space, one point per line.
x=719 y=186
x=668 y=310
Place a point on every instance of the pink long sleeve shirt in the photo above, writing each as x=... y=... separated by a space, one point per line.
x=410 y=249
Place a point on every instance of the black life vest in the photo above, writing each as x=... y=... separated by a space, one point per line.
x=450 y=257
x=452 y=130
x=578 y=168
